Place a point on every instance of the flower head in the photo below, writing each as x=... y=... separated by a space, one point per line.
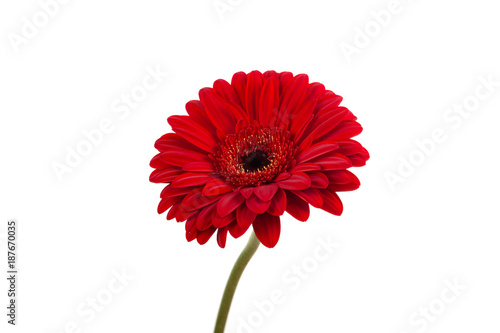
x=250 y=150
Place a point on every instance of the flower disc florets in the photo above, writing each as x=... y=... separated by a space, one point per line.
x=254 y=155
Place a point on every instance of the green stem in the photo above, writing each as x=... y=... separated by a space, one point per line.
x=232 y=282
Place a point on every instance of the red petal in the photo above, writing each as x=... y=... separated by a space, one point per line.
x=349 y=147
x=358 y=160
x=222 y=221
x=158 y=163
x=216 y=187
x=195 y=200
x=285 y=78
x=292 y=99
x=255 y=81
x=180 y=157
x=245 y=216
x=265 y=192
x=164 y=175
x=166 y=203
x=204 y=220
x=330 y=100
x=339 y=176
x=269 y=101
x=271 y=74
x=306 y=143
x=267 y=229
x=167 y=141
x=173 y=141
x=354 y=151
x=197 y=113
x=278 y=203
x=226 y=91
x=298 y=181
x=229 y=203
x=170 y=191
x=241 y=125
x=239 y=83
x=236 y=230
x=199 y=167
x=333 y=161
x=297 y=207
x=183 y=215
x=318 y=179
x=218 y=111
x=331 y=202
x=191 y=228
x=352 y=185
x=306 y=167
x=326 y=123
x=302 y=119
x=193 y=132
x=247 y=192
x=174 y=211
x=192 y=179
x=221 y=237
x=311 y=196
x=204 y=236
x=257 y=205
x=238 y=112
x=316 y=150
x=345 y=130
x=315 y=91
x=282 y=176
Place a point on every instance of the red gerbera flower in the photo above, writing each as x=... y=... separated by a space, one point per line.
x=250 y=150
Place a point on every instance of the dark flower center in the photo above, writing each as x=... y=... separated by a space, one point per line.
x=255 y=161
x=254 y=155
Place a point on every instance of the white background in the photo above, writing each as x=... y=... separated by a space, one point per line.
x=397 y=247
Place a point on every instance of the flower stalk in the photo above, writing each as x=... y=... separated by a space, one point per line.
x=232 y=282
